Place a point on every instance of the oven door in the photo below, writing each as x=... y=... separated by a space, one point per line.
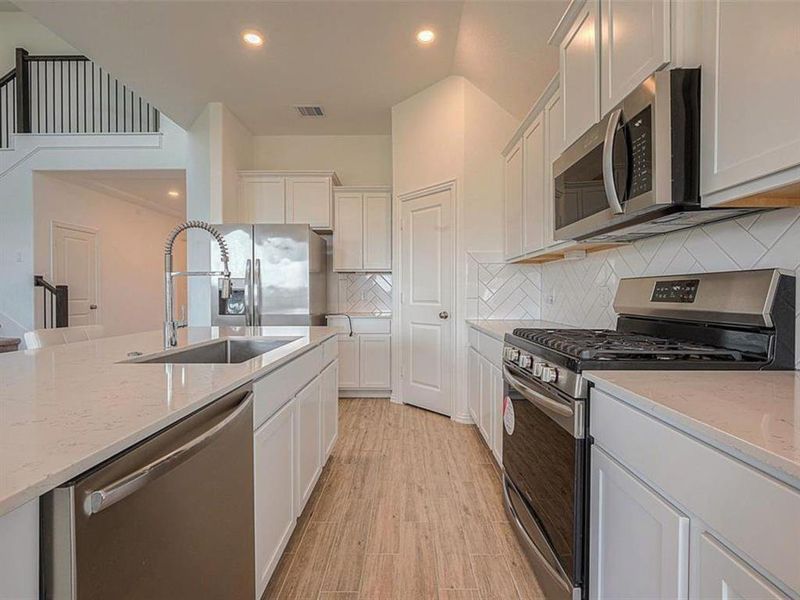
x=544 y=460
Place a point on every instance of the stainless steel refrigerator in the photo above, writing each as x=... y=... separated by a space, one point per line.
x=278 y=276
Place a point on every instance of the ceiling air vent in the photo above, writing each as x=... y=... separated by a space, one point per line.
x=310 y=111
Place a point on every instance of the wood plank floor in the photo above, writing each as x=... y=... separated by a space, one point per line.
x=409 y=506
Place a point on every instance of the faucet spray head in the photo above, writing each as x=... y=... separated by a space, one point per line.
x=225 y=287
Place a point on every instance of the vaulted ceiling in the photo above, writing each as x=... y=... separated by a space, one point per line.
x=355 y=58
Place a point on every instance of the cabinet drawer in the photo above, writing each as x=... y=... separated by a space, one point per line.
x=360 y=324
x=278 y=387
x=757 y=514
x=492 y=349
x=473 y=337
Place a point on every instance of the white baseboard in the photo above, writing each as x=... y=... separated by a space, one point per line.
x=464 y=419
x=364 y=393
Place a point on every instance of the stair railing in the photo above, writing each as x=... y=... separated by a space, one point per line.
x=55 y=303
x=69 y=94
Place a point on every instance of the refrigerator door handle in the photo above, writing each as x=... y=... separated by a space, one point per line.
x=257 y=294
x=99 y=500
x=248 y=290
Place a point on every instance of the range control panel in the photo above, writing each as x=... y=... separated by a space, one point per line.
x=683 y=290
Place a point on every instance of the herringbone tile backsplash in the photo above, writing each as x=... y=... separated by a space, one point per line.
x=365 y=292
x=496 y=290
x=580 y=292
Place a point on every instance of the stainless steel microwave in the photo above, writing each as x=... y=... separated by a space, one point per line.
x=637 y=172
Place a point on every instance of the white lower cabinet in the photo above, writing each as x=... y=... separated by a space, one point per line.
x=722 y=574
x=474 y=383
x=485 y=422
x=639 y=542
x=497 y=414
x=330 y=408
x=348 y=361
x=375 y=361
x=309 y=440
x=273 y=459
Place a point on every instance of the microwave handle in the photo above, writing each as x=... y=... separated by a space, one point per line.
x=608 y=165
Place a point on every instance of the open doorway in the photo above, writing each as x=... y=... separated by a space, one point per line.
x=101 y=233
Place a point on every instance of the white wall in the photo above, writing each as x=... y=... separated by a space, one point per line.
x=165 y=150
x=19 y=30
x=357 y=159
x=237 y=154
x=130 y=242
x=453 y=131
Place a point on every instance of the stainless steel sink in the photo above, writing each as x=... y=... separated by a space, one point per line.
x=227 y=351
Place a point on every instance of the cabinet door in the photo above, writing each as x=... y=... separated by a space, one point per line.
x=497 y=414
x=375 y=353
x=639 y=542
x=724 y=575
x=274 y=465
x=474 y=384
x=485 y=424
x=348 y=362
x=533 y=186
x=309 y=200
x=309 y=441
x=262 y=199
x=750 y=92
x=377 y=232
x=579 y=63
x=635 y=43
x=554 y=127
x=512 y=198
x=348 y=237
x=330 y=408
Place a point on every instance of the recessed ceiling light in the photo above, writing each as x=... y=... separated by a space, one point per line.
x=252 y=38
x=425 y=36
x=173 y=193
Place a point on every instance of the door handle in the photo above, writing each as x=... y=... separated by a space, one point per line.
x=257 y=293
x=248 y=290
x=93 y=307
x=444 y=315
x=122 y=488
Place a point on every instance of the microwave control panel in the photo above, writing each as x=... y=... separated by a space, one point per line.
x=640 y=133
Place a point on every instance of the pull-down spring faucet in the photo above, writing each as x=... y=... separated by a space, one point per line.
x=170 y=324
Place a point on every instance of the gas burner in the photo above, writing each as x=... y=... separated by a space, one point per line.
x=610 y=345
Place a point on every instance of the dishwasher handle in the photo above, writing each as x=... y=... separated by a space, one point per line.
x=123 y=487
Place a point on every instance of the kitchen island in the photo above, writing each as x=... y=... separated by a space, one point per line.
x=66 y=409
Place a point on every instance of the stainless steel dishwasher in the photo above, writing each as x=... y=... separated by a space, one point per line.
x=169 y=519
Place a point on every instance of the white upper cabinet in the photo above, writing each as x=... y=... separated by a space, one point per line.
x=512 y=176
x=750 y=138
x=378 y=231
x=349 y=233
x=362 y=239
x=554 y=127
x=533 y=206
x=309 y=200
x=283 y=197
x=262 y=199
x=634 y=43
x=579 y=64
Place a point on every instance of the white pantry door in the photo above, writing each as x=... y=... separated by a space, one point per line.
x=75 y=265
x=427 y=300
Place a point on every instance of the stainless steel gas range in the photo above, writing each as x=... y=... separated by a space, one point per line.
x=734 y=320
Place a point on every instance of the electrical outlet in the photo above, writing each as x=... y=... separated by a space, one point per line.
x=550 y=298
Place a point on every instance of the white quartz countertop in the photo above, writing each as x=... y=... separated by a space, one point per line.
x=65 y=409
x=754 y=415
x=498 y=328
x=362 y=315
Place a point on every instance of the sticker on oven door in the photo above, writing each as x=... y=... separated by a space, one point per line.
x=508 y=415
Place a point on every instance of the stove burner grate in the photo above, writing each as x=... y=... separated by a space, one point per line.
x=606 y=344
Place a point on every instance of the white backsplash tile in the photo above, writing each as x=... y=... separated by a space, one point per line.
x=581 y=292
x=496 y=290
x=364 y=292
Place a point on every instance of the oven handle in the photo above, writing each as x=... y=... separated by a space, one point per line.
x=538 y=399
x=608 y=163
